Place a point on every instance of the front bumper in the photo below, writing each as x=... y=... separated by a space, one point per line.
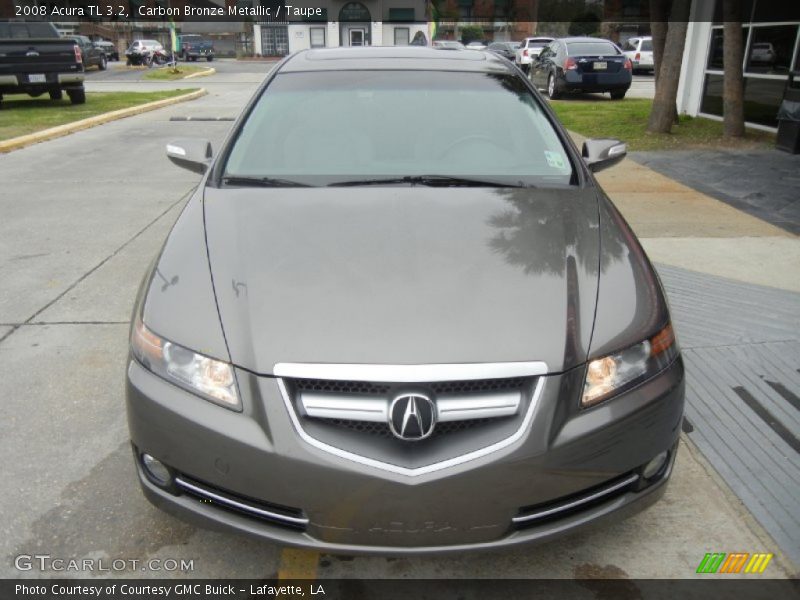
x=257 y=457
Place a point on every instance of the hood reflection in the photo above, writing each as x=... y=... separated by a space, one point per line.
x=538 y=234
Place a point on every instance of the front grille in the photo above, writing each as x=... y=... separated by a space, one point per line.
x=341 y=387
x=382 y=429
x=477 y=385
x=351 y=417
x=230 y=501
x=377 y=389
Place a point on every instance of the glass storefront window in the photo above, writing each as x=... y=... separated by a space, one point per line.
x=762 y=97
x=715 y=50
x=771 y=49
x=712 y=95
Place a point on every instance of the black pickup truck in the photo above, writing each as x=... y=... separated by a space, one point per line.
x=35 y=60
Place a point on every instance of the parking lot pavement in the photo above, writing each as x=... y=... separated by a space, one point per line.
x=82 y=218
x=643 y=86
x=229 y=72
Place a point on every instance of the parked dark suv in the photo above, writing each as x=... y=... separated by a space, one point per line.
x=109 y=48
x=93 y=54
x=195 y=46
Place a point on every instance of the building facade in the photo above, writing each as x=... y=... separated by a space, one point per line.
x=771 y=35
x=343 y=23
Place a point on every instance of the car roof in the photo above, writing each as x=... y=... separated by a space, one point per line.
x=393 y=58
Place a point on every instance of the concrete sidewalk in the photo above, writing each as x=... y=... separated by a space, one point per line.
x=733 y=282
x=761 y=182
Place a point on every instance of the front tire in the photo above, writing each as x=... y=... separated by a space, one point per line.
x=103 y=65
x=553 y=87
x=77 y=96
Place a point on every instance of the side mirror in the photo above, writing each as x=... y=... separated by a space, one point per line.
x=600 y=154
x=190 y=153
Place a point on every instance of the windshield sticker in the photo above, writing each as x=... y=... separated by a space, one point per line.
x=554 y=159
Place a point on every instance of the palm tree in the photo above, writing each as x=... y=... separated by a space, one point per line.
x=733 y=82
x=663 y=113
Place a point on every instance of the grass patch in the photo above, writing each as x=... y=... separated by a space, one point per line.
x=21 y=115
x=627 y=121
x=171 y=74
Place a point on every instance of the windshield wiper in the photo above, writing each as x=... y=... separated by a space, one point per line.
x=429 y=180
x=262 y=182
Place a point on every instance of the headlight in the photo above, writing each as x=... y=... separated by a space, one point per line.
x=609 y=375
x=209 y=378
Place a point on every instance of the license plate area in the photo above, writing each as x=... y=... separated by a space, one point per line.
x=37 y=78
x=600 y=66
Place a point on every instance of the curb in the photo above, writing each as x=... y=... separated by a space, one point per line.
x=209 y=71
x=62 y=130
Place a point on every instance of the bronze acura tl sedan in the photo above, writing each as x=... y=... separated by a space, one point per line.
x=398 y=315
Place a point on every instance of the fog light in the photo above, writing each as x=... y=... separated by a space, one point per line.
x=655 y=465
x=157 y=470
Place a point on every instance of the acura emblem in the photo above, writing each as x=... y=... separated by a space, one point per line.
x=412 y=417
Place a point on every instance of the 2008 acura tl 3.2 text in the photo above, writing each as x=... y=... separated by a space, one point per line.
x=401 y=316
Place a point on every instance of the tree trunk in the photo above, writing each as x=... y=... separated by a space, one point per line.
x=663 y=113
x=659 y=20
x=733 y=84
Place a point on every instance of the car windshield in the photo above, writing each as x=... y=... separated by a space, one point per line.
x=591 y=49
x=539 y=43
x=332 y=127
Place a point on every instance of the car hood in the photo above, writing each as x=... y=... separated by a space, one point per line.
x=404 y=275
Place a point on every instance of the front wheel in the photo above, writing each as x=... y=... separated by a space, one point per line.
x=77 y=96
x=103 y=64
x=553 y=89
x=618 y=94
